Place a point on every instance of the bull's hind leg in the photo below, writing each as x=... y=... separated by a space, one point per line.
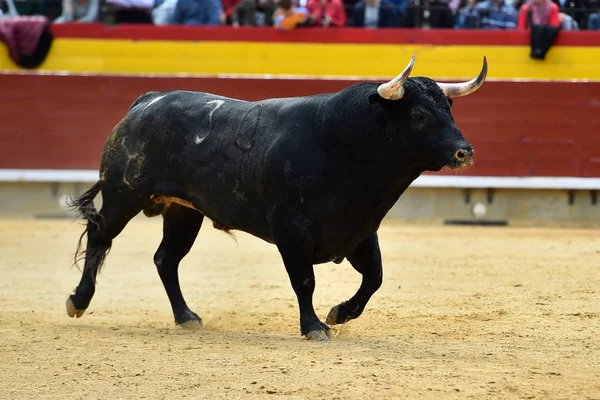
x=180 y=229
x=102 y=228
x=366 y=259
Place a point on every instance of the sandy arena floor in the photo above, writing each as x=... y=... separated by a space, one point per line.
x=463 y=313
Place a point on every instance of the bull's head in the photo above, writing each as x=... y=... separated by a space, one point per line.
x=421 y=109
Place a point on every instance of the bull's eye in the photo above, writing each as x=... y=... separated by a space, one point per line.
x=419 y=116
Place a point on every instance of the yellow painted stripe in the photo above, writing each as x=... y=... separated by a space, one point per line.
x=435 y=61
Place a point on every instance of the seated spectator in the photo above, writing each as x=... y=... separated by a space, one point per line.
x=399 y=6
x=228 y=8
x=163 y=12
x=440 y=14
x=198 y=12
x=428 y=14
x=568 y=23
x=538 y=12
x=456 y=5
x=592 y=20
x=8 y=9
x=495 y=14
x=253 y=13
x=53 y=9
x=327 y=13
x=79 y=11
x=131 y=11
x=573 y=8
x=518 y=3
x=468 y=17
x=349 y=8
x=22 y=7
x=287 y=16
x=374 y=14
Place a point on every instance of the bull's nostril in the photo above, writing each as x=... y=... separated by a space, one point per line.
x=460 y=155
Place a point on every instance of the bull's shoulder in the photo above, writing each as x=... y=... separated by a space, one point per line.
x=294 y=108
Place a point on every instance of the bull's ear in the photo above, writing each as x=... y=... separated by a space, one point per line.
x=374 y=98
x=394 y=89
x=465 y=88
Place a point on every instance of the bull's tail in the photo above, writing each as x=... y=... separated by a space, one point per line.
x=84 y=208
x=84 y=205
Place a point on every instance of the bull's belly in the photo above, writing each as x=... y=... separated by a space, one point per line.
x=224 y=213
x=335 y=236
x=225 y=224
x=339 y=246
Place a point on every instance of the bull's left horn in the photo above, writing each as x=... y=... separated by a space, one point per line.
x=465 y=88
x=394 y=89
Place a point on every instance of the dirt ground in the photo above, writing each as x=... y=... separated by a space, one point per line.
x=464 y=312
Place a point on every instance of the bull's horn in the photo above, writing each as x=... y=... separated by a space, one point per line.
x=465 y=88
x=394 y=89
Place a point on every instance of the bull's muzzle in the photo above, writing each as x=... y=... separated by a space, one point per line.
x=463 y=157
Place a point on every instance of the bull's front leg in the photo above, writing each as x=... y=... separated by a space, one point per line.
x=366 y=259
x=296 y=249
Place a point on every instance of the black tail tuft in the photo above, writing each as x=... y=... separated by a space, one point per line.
x=84 y=205
x=84 y=208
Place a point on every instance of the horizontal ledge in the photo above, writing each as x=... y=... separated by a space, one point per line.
x=424 y=181
x=507 y=182
x=184 y=75
x=49 y=175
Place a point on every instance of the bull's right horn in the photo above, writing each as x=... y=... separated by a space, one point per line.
x=465 y=88
x=394 y=89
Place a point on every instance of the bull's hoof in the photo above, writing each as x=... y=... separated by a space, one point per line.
x=191 y=325
x=72 y=311
x=320 y=336
x=332 y=316
x=340 y=315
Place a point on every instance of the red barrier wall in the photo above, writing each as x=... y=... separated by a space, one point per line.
x=451 y=37
x=517 y=129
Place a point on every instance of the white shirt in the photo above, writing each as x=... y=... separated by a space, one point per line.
x=371 y=16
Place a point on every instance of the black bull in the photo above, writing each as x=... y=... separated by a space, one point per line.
x=313 y=175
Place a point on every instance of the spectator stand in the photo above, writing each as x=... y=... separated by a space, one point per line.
x=462 y=14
